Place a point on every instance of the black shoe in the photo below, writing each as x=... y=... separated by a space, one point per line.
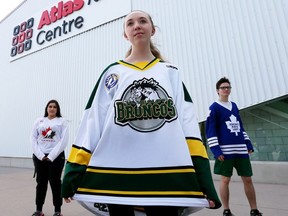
x=227 y=212
x=38 y=213
x=255 y=212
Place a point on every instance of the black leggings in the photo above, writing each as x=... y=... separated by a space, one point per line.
x=119 y=210
x=49 y=171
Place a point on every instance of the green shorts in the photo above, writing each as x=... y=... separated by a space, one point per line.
x=225 y=168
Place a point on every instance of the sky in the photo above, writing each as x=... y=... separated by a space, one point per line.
x=8 y=6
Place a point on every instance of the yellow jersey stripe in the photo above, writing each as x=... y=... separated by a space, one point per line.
x=79 y=156
x=197 y=148
x=141 y=64
x=141 y=171
x=140 y=192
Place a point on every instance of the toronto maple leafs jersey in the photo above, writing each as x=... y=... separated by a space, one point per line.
x=225 y=133
x=49 y=137
x=135 y=142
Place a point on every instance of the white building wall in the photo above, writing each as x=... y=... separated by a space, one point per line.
x=245 y=40
x=66 y=71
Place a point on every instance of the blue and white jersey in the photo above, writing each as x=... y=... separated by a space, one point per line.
x=225 y=133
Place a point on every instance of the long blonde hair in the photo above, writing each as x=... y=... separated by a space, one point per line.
x=155 y=51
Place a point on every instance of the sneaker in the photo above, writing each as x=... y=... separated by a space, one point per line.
x=57 y=214
x=227 y=212
x=38 y=213
x=255 y=212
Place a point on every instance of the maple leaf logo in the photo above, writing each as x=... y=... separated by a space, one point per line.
x=233 y=125
x=48 y=133
x=45 y=132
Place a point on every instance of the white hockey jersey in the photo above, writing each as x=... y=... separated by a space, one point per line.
x=136 y=139
x=49 y=136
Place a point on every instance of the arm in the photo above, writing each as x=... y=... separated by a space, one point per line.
x=80 y=154
x=74 y=170
x=211 y=134
x=62 y=143
x=34 y=141
x=198 y=152
x=248 y=142
x=204 y=176
x=88 y=135
x=246 y=137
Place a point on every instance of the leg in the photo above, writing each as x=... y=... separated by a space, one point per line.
x=244 y=169
x=225 y=169
x=55 y=171
x=42 y=182
x=249 y=191
x=224 y=191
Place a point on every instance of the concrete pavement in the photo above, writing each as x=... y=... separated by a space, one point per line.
x=17 y=197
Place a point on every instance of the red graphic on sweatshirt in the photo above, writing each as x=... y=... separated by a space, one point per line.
x=48 y=133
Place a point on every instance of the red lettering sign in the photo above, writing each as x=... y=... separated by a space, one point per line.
x=57 y=12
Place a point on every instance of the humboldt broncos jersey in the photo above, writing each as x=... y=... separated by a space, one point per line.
x=135 y=142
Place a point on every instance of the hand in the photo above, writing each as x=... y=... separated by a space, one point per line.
x=250 y=151
x=211 y=203
x=221 y=158
x=68 y=200
x=46 y=159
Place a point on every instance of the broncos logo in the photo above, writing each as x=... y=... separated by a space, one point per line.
x=145 y=106
x=143 y=91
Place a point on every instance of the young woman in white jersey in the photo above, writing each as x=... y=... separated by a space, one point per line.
x=138 y=143
x=49 y=138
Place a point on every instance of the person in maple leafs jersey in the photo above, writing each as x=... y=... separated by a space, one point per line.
x=139 y=143
x=230 y=145
x=49 y=138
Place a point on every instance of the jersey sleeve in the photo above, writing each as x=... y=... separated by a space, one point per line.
x=197 y=148
x=248 y=141
x=34 y=141
x=211 y=132
x=245 y=135
x=62 y=143
x=86 y=139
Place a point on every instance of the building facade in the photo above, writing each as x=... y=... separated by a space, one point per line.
x=57 y=50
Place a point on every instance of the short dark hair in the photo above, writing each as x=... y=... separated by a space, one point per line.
x=58 y=113
x=222 y=80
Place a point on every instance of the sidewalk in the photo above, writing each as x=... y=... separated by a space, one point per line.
x=17 y=195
